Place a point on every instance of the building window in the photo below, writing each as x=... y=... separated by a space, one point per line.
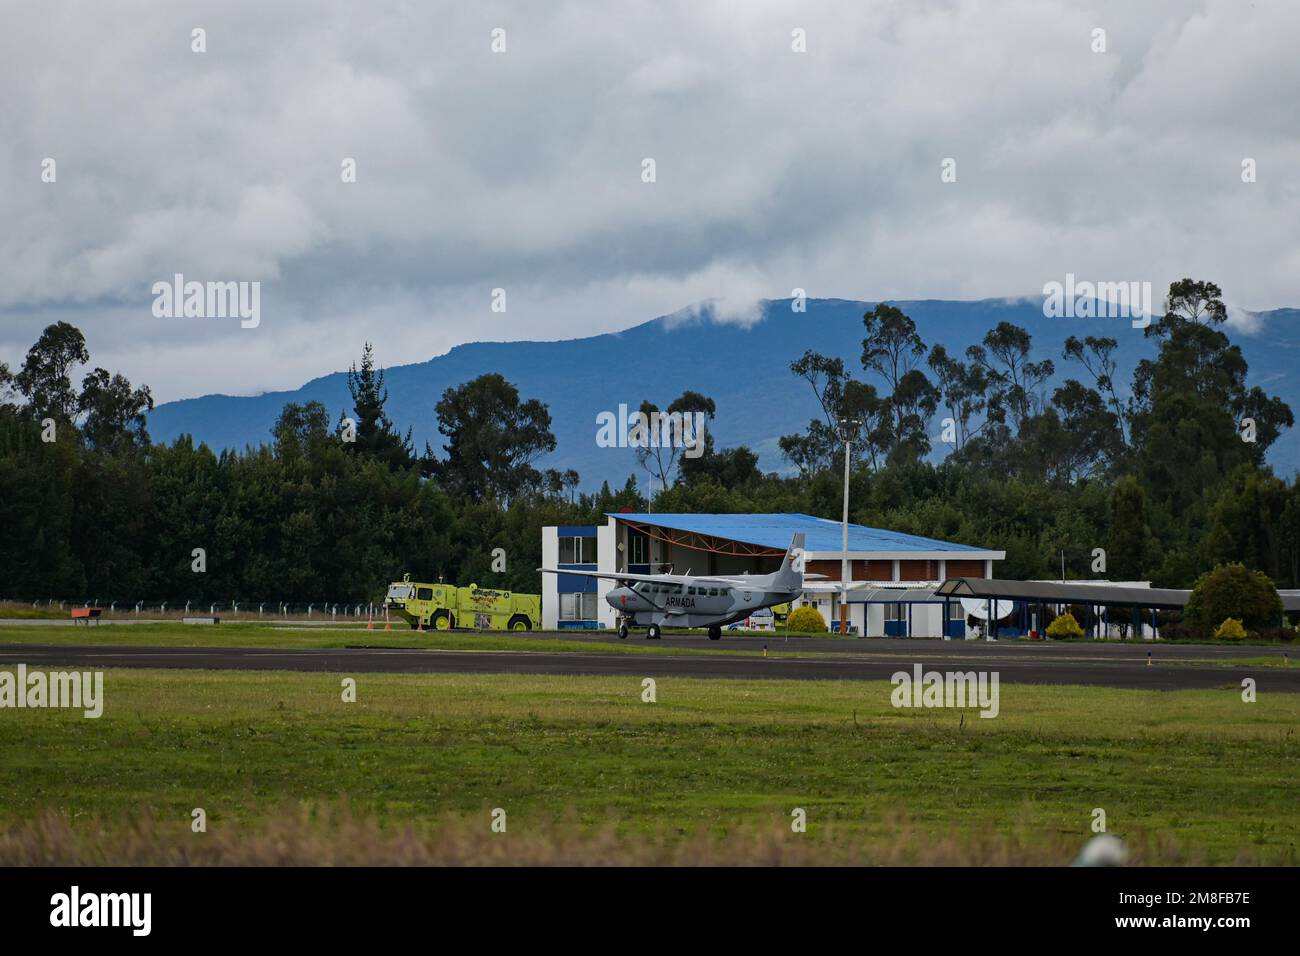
x=956 y=612
x=638 y=548
x=895 y=612
x=578 y=606
x=575 y=550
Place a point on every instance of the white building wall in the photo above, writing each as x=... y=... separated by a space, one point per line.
x=606 y=560
x=550 y=582
x=927 y=620
x=857 y=614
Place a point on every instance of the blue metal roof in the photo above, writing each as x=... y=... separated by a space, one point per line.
x=774 y=531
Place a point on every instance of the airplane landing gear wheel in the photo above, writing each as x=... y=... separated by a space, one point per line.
x=652 y=633
x=622 y=632
x=715 y=633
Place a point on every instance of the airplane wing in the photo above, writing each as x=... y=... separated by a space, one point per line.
x=609 y=575
x=658 y=578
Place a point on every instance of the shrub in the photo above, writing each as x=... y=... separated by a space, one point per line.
x=1230 y=630
x=1232 y=590
x=1181 y=632
x=1064 y=627
x=807 y=620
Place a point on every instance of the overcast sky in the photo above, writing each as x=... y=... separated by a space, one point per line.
x=522 y=170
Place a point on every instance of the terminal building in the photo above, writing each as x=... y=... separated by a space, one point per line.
x=902 y=570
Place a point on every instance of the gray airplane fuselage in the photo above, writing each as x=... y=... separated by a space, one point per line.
x=683 y=604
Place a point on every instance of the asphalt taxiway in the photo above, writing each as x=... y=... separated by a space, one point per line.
x=1122 y=665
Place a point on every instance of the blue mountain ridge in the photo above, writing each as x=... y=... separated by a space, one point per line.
x=745 y=369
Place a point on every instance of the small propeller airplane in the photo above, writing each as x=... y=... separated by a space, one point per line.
x=713 y=601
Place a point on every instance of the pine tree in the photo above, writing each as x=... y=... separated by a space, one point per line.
x=375 y=435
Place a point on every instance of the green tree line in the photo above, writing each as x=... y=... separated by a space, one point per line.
x=1167 y=476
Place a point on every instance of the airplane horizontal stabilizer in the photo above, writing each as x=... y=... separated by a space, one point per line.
x=835 y=588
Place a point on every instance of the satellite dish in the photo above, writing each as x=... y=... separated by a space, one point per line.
x=979 y=608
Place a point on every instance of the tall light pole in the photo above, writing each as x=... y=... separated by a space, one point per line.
x=848 y=429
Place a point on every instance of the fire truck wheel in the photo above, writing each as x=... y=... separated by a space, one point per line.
x=622 y=632
x=442 y=621
x=519 y=623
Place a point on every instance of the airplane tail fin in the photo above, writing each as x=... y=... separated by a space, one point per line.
x=790 y=574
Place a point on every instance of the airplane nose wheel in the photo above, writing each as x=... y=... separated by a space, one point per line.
x=715 y=633
x=622 y=632
x=652 y=633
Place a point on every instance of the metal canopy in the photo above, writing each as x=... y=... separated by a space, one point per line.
x=1050 y=592
x=893 y=596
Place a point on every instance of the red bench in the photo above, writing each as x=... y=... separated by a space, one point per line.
x=86 y=614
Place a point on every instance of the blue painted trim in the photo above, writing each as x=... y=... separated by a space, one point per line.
x=576 y=583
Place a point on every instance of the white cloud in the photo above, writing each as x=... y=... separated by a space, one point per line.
x=521 y=170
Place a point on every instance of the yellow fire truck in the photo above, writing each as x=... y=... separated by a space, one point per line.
x=444 y=606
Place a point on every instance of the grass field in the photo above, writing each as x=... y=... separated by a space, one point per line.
x=588 y=773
